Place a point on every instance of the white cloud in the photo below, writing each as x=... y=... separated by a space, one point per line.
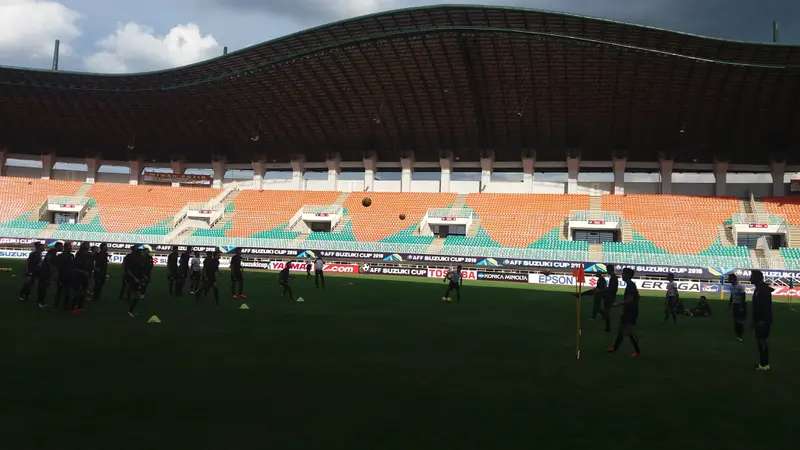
x=28 y=28
x=136 y=48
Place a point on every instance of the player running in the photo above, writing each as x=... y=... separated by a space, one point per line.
x=173 y=274
x=309 y=266
x=597 y=305
x=762 y=317
x=672 y=300
x=32 y=271
x=283 y=280
x=237 y=274
x=609 y=296
x=738 y=304
x=630 y=312
x=456 y=281
x=319 y=266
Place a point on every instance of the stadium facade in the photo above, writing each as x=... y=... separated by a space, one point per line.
x=430 y=95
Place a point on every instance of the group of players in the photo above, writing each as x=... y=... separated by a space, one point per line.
x=605 y=298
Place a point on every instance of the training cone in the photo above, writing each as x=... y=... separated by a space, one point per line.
x=154 y=319
x=300 y=300
x=244 y=307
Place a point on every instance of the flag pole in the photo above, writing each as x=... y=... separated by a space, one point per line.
x=579 y=277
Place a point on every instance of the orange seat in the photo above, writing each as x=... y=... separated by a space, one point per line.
x=125 y=208
x=258 y=211
x=19 y=196
x=785 y=206
x=382 y=219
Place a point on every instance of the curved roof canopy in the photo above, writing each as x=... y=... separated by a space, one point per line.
x=433 y=80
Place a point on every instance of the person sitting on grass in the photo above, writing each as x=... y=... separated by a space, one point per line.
x=701 y=310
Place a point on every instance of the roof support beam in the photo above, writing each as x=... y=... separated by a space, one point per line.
x=481 y=109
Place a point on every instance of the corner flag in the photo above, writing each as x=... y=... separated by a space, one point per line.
x=580 y=278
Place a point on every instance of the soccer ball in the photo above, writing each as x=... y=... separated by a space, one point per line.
x=449 y=300
x=366 y=201
x=402 y=217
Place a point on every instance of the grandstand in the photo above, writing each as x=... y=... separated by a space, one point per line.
x=449 y=92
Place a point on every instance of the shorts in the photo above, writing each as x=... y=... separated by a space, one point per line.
x=740 y=312
x=195 y=276
x=132 y=284
x=81 y=283
x=308 y=267
x=318 y=272
x=672 y=302
x=172 y=275
x=762 y=331
x=455 y=285
x=237 y=276
x=628 y=319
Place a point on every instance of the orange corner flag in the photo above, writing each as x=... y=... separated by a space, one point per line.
x=579 y=274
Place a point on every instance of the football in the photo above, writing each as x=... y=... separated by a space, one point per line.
x=402 y=217
x=366 y=201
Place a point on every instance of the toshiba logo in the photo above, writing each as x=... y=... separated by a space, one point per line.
x=441 y=273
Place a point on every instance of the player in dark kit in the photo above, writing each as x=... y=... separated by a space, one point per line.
x=237 y=275
x=65 y=262
x=597 y=305
x=456 y=281
x=124 y=289
x=762 y=317
x=283 y=280
x=84 y=266
x=672 y=300
x=738 y=305
x=47 y=271
x=630 y=312
x=147 y=269
x=32 y=269
x=134 y=274
x=609 y=296
x=183 y=271
x=173 y=273
x=100 y=271
x=210 y=270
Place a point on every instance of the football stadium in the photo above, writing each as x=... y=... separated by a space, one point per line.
x=392 y=215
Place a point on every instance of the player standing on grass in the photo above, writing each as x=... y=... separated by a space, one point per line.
x=630 y=312
x=32 y=271
x=183 y=271
x=210 y=269
x=319 y=267
x=456 y=281
x=309 y=265
x=65 y=262
x=672 y=299
x=100 y=271
x=84 y=266
x=597 y=305
x=172 y=269
x=237 y=275
x=609 y=296
x=47 y=272
x=283 y=280
x=124 y=290
x=197 y=273
x=147 y=269
x=762 y=317
x=738 y=304
x=134 y=273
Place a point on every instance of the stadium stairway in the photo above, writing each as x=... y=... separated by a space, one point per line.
x=48 y=231
x=461 y=200
x=342 y=223
x=473 y=229
x=759 y=258
x=436 y=246
x=182 y=236
x=744 y=207
x=793 y=236
x=725 y=235
x=595 y=203
x=91 y=213
x=776 y=260
x=83 y=190
x=760 y=210
x=297 y=242
x=595 y=252
x=341 y=198
x=627 y=231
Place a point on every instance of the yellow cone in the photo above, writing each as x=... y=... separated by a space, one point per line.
x=244 y=307
x=154 y=319
x=300 y=300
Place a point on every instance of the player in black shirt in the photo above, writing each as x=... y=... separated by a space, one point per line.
x=183 y=271
x=46 y=272
x=762 y=317
x=147 y=269
x=237 y=275
x=630 y=312
x=283 y=280
x=65 y=262
x=134 y=278
x=100 y=271
x=597 y=305
x=124 y=289
x=172 y=269
x=84 y=266
x=609 y=295
x=32 y=269
x=210 y=270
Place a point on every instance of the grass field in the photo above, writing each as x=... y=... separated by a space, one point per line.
x=380 y=364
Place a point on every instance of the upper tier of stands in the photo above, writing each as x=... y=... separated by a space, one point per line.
x=21 y=196
x=262 y=211
x=786 y=206
x=382 y=219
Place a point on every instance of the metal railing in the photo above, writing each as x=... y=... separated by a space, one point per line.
x=65 y=200
x=458 y=213
x=606 y=216
x=322 y=209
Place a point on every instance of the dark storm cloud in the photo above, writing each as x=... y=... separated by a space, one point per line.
x=731 y=19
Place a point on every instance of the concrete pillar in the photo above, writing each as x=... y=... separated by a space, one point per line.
x=219 y=167
x=259 y=170
x=47 y=165
x=178 y=167
x=370 y=167
x=778 y=169
x=334 y=164
x=721 y=177
x=407 y=165
x=446 y=165
x=666 y=176
x=619 y=175
x=92 y=165
x=528 y=164
x=136 y=170
x=2 y=162
x=573 y=169
x=487 y=165
x=298 y=170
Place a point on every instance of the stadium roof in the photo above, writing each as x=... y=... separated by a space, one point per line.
x=432 y=80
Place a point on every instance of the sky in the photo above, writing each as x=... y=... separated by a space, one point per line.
x=127 y=36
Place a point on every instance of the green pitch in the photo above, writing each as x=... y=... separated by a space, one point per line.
x=381 y=364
